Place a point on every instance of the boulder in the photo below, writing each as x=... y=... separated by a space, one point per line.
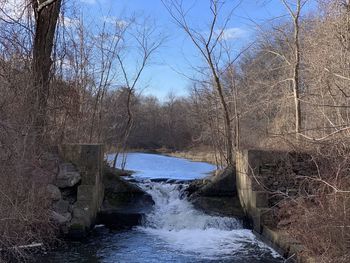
x=61 y=206
x=219 y=206
x=68 y=176
x=223 y=184
x=120 y=193
x=54 y=192
x=195 y=185
x=61 y=219
x=124 y=205
x=217 y=194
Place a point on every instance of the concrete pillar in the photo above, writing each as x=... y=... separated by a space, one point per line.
x=88 y=158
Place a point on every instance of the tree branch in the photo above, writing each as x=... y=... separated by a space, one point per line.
x=44 y=4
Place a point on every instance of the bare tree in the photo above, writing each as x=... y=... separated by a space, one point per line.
x=296 y=16
x=109 y=45
x=147 y=41
x=209 y=46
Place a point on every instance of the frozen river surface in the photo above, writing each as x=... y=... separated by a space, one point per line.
x=155 y=166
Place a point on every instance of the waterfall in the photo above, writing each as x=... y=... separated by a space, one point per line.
x=185 y=229
x=173 y=231
x=173 y=211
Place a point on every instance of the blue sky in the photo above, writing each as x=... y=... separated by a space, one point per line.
x=177 y=54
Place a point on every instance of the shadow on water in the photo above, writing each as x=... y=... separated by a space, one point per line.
x=135 y=246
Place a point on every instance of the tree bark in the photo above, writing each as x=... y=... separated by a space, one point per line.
x=228 y=125
x=46 y=16
x=296 y=69
x=295 y=15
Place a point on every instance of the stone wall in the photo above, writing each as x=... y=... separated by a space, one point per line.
x=259 y=174
x=88 y=159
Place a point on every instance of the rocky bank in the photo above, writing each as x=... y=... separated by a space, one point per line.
x=216 y=194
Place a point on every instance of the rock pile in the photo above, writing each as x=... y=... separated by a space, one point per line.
x=123 y=207
x=63 y=193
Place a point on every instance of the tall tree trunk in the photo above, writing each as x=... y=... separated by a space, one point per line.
x=296 y=70
x=237 y=117
x=46 y=16
x=121 y=147
x=227 y=120
x=295 y=15
x=228 y=124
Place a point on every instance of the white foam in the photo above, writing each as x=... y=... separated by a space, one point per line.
x=188 y=230
x=174 y=213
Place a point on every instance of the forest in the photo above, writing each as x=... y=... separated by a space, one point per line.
x=287 y=89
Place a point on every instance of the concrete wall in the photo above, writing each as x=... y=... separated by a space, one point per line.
x=252 y=169
x=88 y=158
x=253 y=197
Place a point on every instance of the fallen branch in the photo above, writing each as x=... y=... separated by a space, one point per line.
x=31 y=246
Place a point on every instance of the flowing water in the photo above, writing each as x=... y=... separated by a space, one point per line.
x=174 y=231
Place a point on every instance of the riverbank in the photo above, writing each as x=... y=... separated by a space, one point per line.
x=194 y=155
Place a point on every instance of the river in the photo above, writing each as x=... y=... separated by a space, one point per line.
x=174 y=231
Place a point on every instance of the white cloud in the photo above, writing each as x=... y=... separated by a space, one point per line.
x=232 y=33
x=114 y=20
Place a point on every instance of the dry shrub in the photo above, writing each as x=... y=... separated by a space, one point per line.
x=24 y=170
x=320 y=218
x=24 y=201
x=322 y=224
x=24 y=210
